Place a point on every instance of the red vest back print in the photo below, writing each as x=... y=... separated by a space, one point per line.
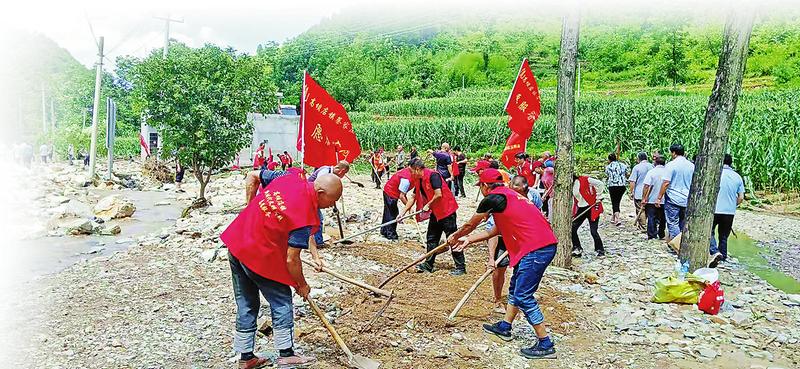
x=392 y=186
x=589 y=194
x=441 y=208
x=259 y=235
x=522 y=225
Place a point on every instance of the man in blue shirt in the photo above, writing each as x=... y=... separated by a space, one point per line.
x=731 y=194
x=677 y=181
x=636 y=182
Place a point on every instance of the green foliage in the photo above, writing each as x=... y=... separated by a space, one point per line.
x=643 y=123
x=199 y=99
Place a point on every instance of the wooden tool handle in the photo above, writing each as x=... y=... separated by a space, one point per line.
x=374 y=228
x=331 y=330
x=439 y=249
x=474 y=287
x=337 y=275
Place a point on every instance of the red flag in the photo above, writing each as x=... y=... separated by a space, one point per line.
x=326 y=134
x=514 y=144
x=523 y=105
x=144 y=145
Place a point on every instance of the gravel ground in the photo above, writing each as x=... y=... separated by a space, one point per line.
x=164 y=304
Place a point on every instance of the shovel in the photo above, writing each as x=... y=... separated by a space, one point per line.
x=355 y=361
x=349 y=240
x=474 y=287
x=338 y=220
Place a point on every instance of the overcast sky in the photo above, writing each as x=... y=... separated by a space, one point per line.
x=132 y=29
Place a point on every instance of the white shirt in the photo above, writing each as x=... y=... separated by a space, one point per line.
x=654 y=178
x=576 y=190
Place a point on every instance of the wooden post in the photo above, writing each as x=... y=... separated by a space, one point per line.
x=562 y=195
x=719 y=117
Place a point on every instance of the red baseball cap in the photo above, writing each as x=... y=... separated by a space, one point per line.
x=480 y=165
x=490 y=175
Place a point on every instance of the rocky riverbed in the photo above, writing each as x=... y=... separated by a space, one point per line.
x=166 y=302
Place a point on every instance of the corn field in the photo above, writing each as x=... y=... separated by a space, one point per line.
x=763 y=139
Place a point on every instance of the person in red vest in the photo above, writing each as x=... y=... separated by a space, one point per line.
x=531 y=246
x=258 y=157
x=288 y=159
x=585 y=191
x=431 y=193
x=525 y=168
x=264 y=244
x=395 y=189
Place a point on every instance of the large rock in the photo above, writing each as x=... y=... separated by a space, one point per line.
x=113 y=207
x=78 y=226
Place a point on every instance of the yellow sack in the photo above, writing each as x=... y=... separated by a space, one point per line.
x=672 y=289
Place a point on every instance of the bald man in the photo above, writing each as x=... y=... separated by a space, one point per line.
x=264 y=244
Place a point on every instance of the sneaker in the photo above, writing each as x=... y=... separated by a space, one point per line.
x=458 y=272
x=424 y=268
x=577 y=253
x=715 y=259
x=535 y=352
x=296 y=361
x=254 y=363
x=494 y=329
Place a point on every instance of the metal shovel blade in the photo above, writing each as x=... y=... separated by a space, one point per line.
x=361 y=362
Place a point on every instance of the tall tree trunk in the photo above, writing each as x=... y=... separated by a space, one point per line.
x=719 y=117
x=562 y=193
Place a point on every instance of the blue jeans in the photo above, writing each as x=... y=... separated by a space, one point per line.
x=676 y=218
x=318 y=235
x=525 y=281
x=246 y=286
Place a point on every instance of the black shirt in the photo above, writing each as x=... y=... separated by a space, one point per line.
x=462 y=167
x=492 y=203
x=436 y=183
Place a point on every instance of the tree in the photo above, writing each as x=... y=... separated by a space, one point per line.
x=719 y=117
x=199 y=100
x=565 y=100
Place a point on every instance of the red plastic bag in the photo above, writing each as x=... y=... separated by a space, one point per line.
x=711 y=298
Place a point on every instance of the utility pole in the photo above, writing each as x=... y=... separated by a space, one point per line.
x=565 y=128
x=167 y=20
x=718 y=120
x=96 y=110
x=44 y=110
x=52 y=114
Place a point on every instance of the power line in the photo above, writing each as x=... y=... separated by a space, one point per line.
x=91 y=29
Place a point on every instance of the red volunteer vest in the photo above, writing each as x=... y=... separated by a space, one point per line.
x=589 y=194
x=526 y=170
x=454 y=165
x=522 y=225
x=259 y=235
x=441 y=208
x=392 y=186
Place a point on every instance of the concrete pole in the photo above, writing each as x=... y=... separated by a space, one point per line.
x=96 y=111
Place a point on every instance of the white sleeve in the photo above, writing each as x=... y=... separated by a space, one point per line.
x=404 y=185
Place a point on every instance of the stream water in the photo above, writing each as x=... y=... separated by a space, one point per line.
x=747 y=251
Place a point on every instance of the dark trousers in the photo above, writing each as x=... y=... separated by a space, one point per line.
x=447 y=226
x=616 y=193
x=458 y=183
x=586 y=215
x=656 y=222
x=376 y=177
x=390 y=212
x=723 y=225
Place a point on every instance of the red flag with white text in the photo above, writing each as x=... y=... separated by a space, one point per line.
x=326 y=133
x=515 y=144
x=524 y=104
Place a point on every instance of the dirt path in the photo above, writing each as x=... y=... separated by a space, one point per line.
x=162 y=304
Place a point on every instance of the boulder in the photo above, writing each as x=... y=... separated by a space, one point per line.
x=113 y=207
x=110 y=231
x=78 y=226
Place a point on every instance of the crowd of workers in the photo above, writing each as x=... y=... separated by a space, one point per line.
x=283 y=218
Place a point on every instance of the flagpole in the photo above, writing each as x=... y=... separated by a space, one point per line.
x=515 y=83
x=303 y=122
